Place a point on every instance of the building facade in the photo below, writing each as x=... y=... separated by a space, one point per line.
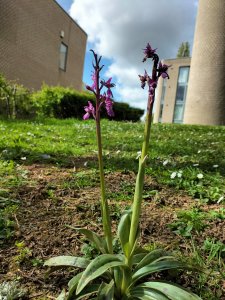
x=171 y=96
x=40 y=43
x=195 y=92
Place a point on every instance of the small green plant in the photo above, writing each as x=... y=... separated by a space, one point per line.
x=24 y=253
x=214 y=249
x=121 y=276
x=7 y=222
x=188 y=221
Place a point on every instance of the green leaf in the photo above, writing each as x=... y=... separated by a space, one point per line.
x=73 y=285
x=157 y=266
x=147 y=294
x=97 y=267
x=124 y=231
x=97 y=240
x=106 y=291
x=88 y=290
x=172 y=291
x=118 y=277
x=137 y=258
x=62 y=295
x=67 y=261
x=151 y=257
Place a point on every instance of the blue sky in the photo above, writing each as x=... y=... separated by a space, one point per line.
x=120 y=29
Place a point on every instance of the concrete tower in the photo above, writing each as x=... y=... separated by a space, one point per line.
x=205 y=103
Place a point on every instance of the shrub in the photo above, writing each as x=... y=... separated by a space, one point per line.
x=15 y=100
x=61 y=102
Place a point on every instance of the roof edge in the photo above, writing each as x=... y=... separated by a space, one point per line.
x=69 y=16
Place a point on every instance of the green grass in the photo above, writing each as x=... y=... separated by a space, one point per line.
x=189 y=150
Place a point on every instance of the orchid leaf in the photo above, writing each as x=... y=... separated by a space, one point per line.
x=151 y=257
x=172 y=291
x=158 y=266
x=147 y=294
x=137 y=258
x=97 y=267
x=67 y=261
x=62 y=295
x=106 y=291
x=87 y=291
x=73 y=285
x=124 y=231
x=97 y=240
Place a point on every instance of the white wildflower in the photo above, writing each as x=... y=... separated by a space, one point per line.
x=85 y=163
x=199 y=151
x=179 y=174
x=118 y=151
x=200 y=176
x=23 y=158
x=165 y=162
x=195 y=165
x=173 y=175
x=215 y=166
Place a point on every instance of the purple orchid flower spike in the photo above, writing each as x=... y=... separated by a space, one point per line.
x=162 y=69
x=143 y=79
x=149 y=52
x=90 y=110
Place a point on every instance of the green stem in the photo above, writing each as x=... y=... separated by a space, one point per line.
x=136 y=208
x=104 y=203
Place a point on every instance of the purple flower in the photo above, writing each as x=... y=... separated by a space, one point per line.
x=108 y=83
x=163 y=68
x=149 y=52
x=109 y=107
x=106 y=99
x=90 y=110
x=152 y=85
x=94 y=85
x=143 y=79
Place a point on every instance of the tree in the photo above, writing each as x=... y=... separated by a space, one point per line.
x=184 y=50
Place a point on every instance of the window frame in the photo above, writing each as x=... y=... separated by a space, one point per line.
x=65 y=59
x=181 y=102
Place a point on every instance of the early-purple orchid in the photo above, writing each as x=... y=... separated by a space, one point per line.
x=159 y=69
x=90 y=110
x=162 y=69
x=149 y=52
x=102 y=98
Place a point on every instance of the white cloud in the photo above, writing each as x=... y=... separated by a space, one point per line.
x=120 y=30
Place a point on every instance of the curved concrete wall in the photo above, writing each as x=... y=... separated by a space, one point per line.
x=205 y=103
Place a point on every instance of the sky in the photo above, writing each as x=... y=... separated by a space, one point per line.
x=119 y=30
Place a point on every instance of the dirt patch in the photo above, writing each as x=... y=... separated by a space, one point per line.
x=47 y=206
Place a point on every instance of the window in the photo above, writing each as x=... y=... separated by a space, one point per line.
x=63 y=56
x=181 y=94
x=162 y=100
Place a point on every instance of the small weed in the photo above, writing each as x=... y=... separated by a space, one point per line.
x=187 y=222
x=24 y=253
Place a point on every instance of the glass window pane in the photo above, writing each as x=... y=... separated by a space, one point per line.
x=178 y=113
x=62 y=56
x=183 y=75
x=180 y=93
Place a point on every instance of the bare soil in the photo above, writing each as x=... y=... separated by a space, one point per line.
x=41 y=220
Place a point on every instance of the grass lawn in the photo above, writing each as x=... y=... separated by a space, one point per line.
x=49 y=179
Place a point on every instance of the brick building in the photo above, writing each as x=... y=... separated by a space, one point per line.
x=40 y=43
x=195 y=92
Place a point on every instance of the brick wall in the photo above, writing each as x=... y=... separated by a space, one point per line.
x=30 y=42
